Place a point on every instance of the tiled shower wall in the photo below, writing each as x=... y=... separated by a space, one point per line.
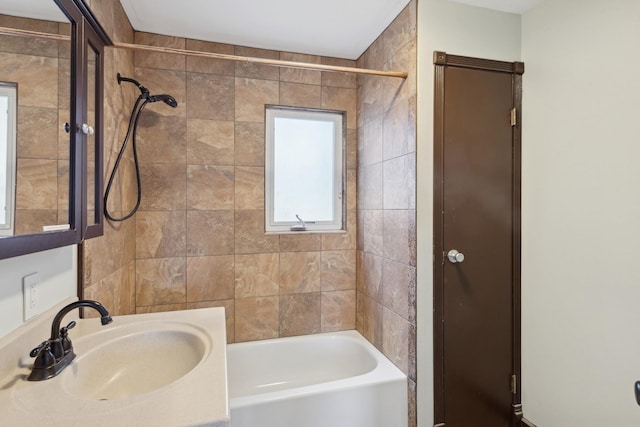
x=386 y=267
x=108 y=262
x=200 y=238
x=40 y=68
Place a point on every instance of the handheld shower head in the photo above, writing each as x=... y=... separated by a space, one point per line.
x=167 y=99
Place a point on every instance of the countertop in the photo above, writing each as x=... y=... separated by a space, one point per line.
x=199 y=398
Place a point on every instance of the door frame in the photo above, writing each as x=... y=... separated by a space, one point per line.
x=442 y=60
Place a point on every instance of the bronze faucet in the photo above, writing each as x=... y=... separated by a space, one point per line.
x=54 y=354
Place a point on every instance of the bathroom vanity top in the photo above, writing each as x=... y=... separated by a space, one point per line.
x=159 y=369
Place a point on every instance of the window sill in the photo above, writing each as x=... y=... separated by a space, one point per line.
x=275 y=233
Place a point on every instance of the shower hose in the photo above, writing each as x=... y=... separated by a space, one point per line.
x=131 y=132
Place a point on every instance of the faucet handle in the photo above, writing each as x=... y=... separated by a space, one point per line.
x=64 y=337
x=44 y=356
x=65 y=329
x=39 y=348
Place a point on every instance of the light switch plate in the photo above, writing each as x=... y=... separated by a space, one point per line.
x=31 y=295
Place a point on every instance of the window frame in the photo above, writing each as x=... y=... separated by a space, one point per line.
x=10 y=90
x=339 y=176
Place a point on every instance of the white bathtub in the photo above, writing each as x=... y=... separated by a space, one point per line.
x=325 y=380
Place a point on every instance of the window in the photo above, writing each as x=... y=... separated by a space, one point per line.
x=8 y=104
x=304 y=169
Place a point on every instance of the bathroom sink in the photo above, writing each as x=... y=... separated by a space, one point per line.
x=136 y=362
x=138 y=370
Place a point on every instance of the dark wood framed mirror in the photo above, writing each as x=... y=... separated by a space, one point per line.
x=52 y=168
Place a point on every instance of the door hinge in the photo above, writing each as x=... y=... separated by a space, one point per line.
x=514 y=117
x=514 y=384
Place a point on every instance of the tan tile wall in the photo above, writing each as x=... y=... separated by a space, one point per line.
x=41 y=70
x=386 y=255
x=108 y=262
x=200 y=237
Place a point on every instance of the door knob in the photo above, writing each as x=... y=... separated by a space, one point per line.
x=86 y=129
x=455 y=256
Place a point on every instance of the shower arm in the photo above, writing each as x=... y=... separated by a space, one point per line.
x=143 y=90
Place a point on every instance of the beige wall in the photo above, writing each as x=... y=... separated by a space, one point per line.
x=581 y=204
x=57 y=271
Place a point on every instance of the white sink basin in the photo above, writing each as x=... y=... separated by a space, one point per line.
x=157 y=369
x=135 y=362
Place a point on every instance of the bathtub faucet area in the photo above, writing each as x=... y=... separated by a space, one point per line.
x=55 y=354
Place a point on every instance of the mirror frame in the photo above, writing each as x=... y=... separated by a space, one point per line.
x=83 y=25
x=94 y=40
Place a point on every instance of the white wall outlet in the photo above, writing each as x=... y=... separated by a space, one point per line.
x=31 y=295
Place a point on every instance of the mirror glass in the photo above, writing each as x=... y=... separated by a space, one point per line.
x=8 y=107
x=92 y=76
x=35 y=194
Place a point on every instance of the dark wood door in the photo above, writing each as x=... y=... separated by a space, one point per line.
x=477 y=297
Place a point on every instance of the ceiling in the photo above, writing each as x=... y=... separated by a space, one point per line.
x=334 y=28
x=511 y=6
x=337 y=28
x=37 y=9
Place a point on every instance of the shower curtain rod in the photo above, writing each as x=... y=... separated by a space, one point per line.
x=174 y=51
x=29 y=33
x=274 y=62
